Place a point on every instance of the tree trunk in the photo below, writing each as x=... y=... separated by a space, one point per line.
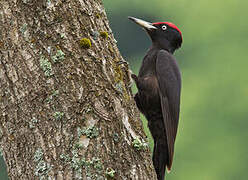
x=66 y=109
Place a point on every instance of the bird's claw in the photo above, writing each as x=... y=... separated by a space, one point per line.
x=134 y=77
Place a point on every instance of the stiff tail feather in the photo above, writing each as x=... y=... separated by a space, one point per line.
x=160 y=158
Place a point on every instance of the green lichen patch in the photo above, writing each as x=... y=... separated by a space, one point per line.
x=88 y=109
x=104 y=34
x=116 y=137
x=97 y=164
x=25 y=1
x=95 y=34
x=38 y=155
x=62 y=35
x=94 y=162
x=90 y=132
x=58 y=115
x=110 y=172
x=46 y=66
x=42 y=168
x=139 y=145
x=77 y=162
x=59 y=56
x=78 y=146
x=65 y=158
x=52 y=96
x=32 y=122
x=24 y=31
x=118 y=87
x=118 y=78
x=49 y=3
x=85 y=43
x=92 y=167
x=23 y=28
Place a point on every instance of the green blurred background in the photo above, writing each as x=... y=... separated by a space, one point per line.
x=213 y=130
x=212 y=138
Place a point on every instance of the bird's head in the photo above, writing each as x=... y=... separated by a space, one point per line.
x=165 y=35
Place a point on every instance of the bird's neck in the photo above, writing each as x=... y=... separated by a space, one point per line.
x=163 y=45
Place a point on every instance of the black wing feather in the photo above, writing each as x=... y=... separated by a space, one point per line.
x=169 y=80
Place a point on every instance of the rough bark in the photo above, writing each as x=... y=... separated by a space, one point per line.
x=66 y=109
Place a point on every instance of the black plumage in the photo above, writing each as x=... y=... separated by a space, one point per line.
x=159 y=86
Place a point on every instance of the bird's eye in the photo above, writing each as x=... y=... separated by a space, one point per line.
x=164 y=27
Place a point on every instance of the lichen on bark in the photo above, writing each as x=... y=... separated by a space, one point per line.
x=51 y=87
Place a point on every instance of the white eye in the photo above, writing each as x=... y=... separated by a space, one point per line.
x=164 y=27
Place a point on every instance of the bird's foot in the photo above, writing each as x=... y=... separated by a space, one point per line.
x=135 y=78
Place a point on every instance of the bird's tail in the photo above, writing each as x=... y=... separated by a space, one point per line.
x=160 y=158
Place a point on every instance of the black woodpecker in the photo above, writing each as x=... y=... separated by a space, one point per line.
x=159 y=86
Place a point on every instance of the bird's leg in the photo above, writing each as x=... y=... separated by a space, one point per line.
x=135 y=78
x=136 y=96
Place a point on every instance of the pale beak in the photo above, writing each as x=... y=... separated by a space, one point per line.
x=147 y=25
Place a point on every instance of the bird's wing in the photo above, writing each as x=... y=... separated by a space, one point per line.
x=169 y=80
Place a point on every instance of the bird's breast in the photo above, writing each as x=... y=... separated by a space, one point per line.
x=148 y=93
x=150 y=86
